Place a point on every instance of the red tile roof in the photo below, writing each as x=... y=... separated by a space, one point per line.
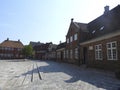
x=13 y=44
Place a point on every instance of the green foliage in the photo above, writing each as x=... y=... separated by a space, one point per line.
x=28 y=51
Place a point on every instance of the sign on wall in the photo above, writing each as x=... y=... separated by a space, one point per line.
x=90 y=47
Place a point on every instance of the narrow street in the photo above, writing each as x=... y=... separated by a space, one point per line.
x=49 y=75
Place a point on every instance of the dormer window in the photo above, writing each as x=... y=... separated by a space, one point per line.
x=93 y=31
x=102 y=28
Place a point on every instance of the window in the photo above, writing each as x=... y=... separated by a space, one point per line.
x=71 y=39
x=64 y=54
x=75 y=36
x=93 y=31
x=112 y=50
x=67 y=54
x=67 y=40
x=58 y=55
x=76 y=53
x=102 y=28
x=71 y=54
x=98 y=52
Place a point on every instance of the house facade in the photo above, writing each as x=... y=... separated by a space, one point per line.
x=11 y=49
x=60 y=52
x=51 y=54
x=41 y=50
x=77 y=33
x=102 y=49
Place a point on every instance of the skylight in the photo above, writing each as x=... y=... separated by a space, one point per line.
x=102 y=28
x=93 y=31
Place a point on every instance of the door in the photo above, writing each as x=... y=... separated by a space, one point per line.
x=85 y=55
x=61 y=56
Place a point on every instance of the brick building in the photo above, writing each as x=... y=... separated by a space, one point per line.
x=41 y=50
x=77 y=33
x=11 y=49
x=102 y=49
x=51 y=54
x=35 y=43
x=60 y=52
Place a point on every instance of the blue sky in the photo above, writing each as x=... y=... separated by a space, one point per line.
x=46 y=20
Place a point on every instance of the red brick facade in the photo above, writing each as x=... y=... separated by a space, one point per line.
x=90 y=59
x=41 y=50
x=75 y=35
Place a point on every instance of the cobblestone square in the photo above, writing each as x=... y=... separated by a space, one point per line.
x=49 y=75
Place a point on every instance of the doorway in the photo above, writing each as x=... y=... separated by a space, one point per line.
x=61 y=56
x=85 y=55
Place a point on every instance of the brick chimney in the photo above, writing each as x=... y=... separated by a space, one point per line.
x=72 y=19
x=106 y=9
x=18 y=40
x=7 y=39
x=60 y=42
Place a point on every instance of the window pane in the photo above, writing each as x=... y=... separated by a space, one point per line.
x=109 y=54
x=75 y=37
x=113 y=44
x=68 y=40
x=71 y=39
x=100 y=54
x=108 y=45
x=100 y=47
x=114 y=54
x=96 y=54
x=96 y=47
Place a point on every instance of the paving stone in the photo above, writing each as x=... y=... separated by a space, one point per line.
x=17 y=75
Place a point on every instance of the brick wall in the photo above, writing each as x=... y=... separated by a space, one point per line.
x=105 y=63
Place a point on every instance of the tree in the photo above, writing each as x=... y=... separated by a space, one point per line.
x=28 y=51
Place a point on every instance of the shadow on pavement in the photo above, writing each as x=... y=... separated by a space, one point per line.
x=96 y=78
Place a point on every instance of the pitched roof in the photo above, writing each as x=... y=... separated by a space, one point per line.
x=81 y=26
x=76 y=26
x=106 y=23
x=61 y=45
x=35 y=43
x=13 y=44
x=42 y=46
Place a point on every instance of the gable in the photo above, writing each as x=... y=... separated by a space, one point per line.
x=72 y=28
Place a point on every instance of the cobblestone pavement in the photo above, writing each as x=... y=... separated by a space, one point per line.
x=48 y=75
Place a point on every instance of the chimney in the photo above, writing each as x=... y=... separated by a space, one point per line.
x=72 y=19
x=18 y=40
x=60 y=42
x=7 y=39
x=106 y=9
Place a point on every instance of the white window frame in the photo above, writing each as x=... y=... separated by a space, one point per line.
x=71 y=54
x=64 y=54
x=111 y=48
x=67 y=40
x=75 y=36
x=71 y=38
x=67 y=54
x=98 y=55
x=76 y=53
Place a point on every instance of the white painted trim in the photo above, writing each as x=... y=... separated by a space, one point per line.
x=98 y=52
x=112 y=51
